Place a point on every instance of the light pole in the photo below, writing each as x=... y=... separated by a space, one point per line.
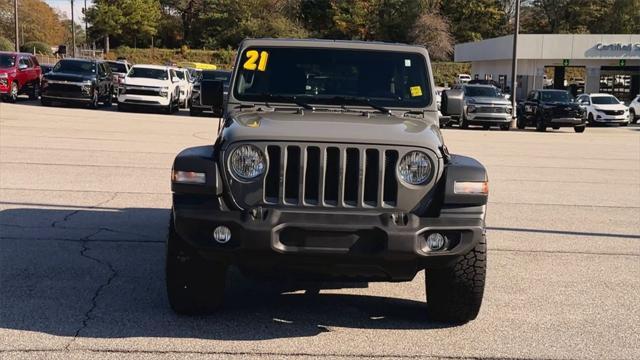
x=73 y=32
x=514 y=61
x=86 y=30
x=15 y=19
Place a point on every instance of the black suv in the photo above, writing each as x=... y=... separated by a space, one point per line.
x=204 y=88
x=78 y=81
x=550 y=108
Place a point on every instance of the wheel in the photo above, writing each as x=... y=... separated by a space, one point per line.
x=94 y=100
x=505 y=127
x=579 y=128
x=454 y=294
x=35 y=91
x=540 y=125
x=520 y=123
x=195 y=111
x=194 y=286
x=109 y=100
x=590 y=120
x=632 y=116
x=464 y=124
x=169 y=108
x=12 y=96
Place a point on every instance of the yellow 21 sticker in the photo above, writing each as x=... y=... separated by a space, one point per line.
x=256 y=60
x=416 y=91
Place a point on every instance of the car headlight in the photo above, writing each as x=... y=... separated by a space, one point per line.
x=509 y=110
x=247 y=162
x=164 y=91
x=415 y=168
x=4 y=76
x=471 y=108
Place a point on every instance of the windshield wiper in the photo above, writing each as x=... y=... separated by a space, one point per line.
x=361 y=100
x=285 y=98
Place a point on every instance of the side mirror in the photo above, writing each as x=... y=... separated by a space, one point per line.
x=212 y=94
x=22 y=66
x=175 y=79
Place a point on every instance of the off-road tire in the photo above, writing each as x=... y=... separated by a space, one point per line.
x=579 y=128
x=454 y=294
x=194 y=286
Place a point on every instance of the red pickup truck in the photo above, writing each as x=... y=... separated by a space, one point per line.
x=19 y=74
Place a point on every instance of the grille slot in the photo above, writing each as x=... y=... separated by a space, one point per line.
x=148 y=92
x=292 y=175
x=272 y=180
x=331 y=176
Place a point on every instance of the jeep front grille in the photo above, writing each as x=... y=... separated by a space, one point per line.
x=326 y=175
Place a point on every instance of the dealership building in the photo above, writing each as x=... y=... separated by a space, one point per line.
x=605 y=63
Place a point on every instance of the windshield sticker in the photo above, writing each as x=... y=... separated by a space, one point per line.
x=407 y=62
x=416 y=91
x=256 y=61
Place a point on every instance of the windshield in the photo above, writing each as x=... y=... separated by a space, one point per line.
x=75 y=66
x=118 y=67
x=149 y=73
x=333 y=76
x=7 y=61
x=180 y=75
x=481 y=91
x=555 y=96
x=604 y=100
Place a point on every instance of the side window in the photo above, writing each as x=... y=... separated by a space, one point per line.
x=24 y=61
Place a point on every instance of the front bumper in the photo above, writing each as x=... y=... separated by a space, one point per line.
x=565 y=121
x=493 y=118
x=66 y=96
x=601 y=118
x=146 y=100
x=326 y=244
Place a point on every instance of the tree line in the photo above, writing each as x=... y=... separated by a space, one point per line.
x=213 y=24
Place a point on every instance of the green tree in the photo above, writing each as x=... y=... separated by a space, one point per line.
x=106 y=19
x=474 y=20
x=141 y=19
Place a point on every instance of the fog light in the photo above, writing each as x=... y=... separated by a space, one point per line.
x=436 y=241
x=222 y=234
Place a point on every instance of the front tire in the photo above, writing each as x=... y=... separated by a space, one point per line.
x=94 y=100
x=454 y=294
x=35 y=91
x=13 y=92
x=632 y=116
x=540 y=126
x=520 y=123
x=579 y=128
x=194 y=286
x=464 y=124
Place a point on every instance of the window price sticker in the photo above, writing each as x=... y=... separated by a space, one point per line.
x=415 y=91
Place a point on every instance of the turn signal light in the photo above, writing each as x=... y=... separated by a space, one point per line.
x=471 y=187
x=188 y=177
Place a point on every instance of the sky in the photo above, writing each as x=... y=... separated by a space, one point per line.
x=65 y=6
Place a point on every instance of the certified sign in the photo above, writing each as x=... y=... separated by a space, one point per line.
x=618 y=47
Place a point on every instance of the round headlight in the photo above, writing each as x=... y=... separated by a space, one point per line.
x=414 y=168
x=247 y=162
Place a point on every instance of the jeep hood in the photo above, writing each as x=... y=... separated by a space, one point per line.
x=335 y=127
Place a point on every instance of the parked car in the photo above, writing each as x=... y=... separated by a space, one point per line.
x=464 y=78
x=186 y=85
x=78 y=81
x=119 y=69
x=477 y=105
x=634 y=110
x=204 y=88
x=350 y=181
x=550 y=108
x=19 y=74
x=150 y=86
x=604 y=109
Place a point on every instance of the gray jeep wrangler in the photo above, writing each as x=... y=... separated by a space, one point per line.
x=329 y=167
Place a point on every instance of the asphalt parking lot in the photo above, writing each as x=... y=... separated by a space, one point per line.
x=84 y=205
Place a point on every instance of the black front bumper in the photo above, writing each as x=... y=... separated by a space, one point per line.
x=326 y=244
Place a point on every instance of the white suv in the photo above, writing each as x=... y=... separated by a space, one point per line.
x=150 y=86
x=634 y=110
x=604 y=109
x=186 y=85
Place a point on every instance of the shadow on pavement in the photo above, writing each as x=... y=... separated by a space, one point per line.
x=99 y=273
